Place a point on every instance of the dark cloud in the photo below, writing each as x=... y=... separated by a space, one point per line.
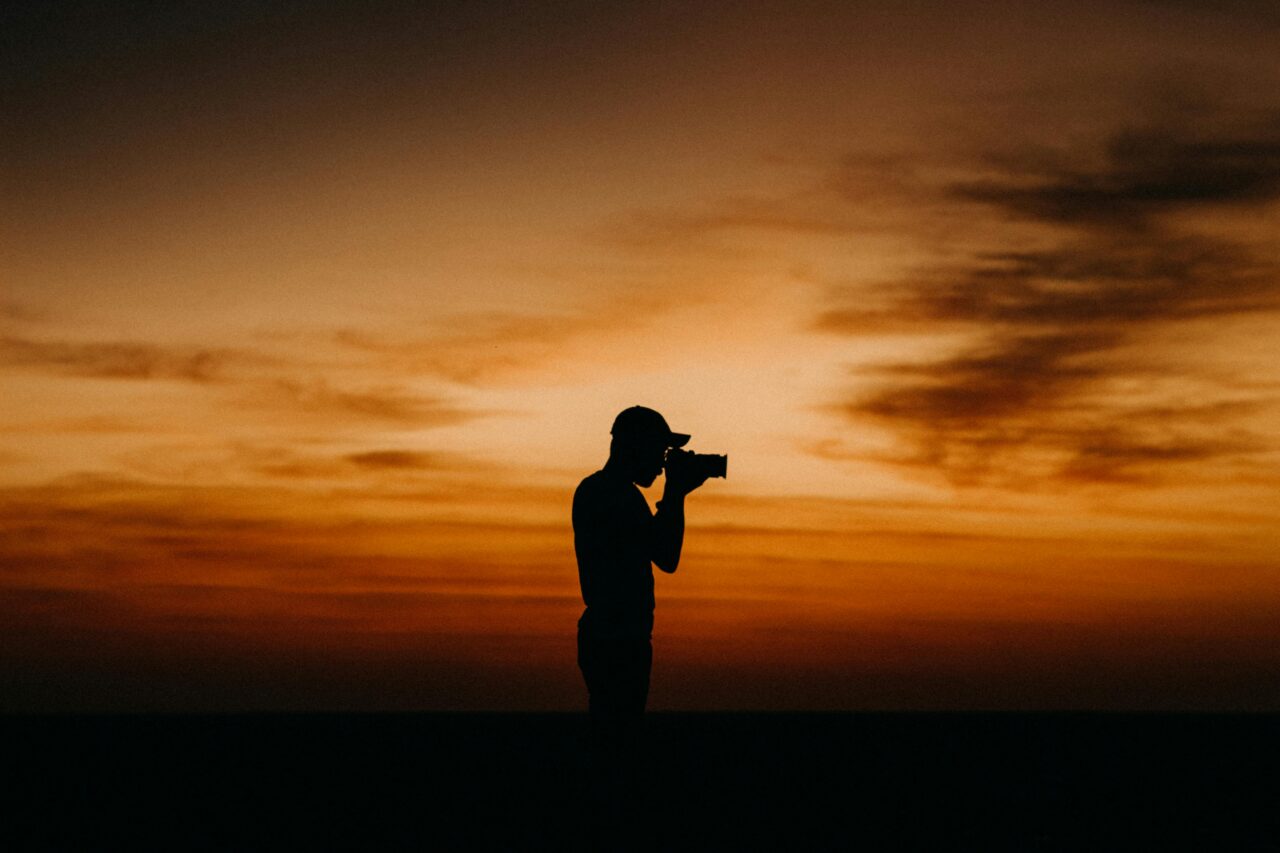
x=1143 y=173
x=122 y=359
x=286 y=463
x=1103 y=285
x=393 y=459
x=1117 y=455
x=1057 y=326
x=1010 y=377
x=1261 y=13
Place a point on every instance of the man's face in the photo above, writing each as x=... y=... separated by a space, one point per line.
x=648 y=458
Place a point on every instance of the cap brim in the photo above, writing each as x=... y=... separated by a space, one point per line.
x=677 y=439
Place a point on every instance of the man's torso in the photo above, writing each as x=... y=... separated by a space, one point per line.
x=612 y=528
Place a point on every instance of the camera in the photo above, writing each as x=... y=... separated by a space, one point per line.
x=710 y=464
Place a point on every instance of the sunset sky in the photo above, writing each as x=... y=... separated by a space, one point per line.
x=312 y=316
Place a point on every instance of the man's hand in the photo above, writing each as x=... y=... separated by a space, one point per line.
x=683 y=475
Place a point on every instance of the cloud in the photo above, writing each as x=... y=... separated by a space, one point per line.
x=1144 y=172
x=308 y=395
x=292 y=386
x=100 y=424
x=283 y=462
x=1253 y=12
x=317 y=397
x=864 y=196
x=222 y=462
x=1010 y=376
x=801 y=214
x=123 y=359
x=1055 y=331
x=485 y=347
x=394 y=459
x=1103 y=283
x=15 y=311
x=1117 y=455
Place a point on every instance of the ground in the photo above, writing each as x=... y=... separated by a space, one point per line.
x=707 y=781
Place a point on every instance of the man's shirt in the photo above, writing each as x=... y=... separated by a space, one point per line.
x=612 y=535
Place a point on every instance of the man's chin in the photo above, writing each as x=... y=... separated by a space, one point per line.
x=647 y=482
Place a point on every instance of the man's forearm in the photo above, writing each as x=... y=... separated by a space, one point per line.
x=668 y=532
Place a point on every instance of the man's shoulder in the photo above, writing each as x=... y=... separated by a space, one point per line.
x=592 y=482
x=605 y=480
x=605 y=489
x=594 y=486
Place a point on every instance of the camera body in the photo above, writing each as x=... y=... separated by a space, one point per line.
x=710 y=464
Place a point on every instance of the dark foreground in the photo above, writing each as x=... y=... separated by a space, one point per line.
x=794 y=781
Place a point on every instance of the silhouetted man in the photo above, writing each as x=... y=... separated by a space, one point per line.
x=617 y=539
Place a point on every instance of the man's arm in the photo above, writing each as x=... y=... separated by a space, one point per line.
x=668 y=530
x=668 y=522
x=591 y=534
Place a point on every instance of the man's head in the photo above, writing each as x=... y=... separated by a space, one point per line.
x=641 y=439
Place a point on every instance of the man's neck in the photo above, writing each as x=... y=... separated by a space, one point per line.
x=614 y=468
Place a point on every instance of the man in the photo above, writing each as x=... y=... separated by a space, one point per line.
x=617 y=539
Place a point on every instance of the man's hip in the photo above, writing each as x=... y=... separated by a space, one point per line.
x=616 y=669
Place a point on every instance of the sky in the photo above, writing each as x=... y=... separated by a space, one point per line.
x=313 y=316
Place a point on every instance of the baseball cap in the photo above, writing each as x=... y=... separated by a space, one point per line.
x=639 y=422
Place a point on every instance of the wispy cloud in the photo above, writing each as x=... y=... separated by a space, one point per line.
x=394 y=459
x=1254 y=12
x=1053 y=330
x=805 y=213
x=1143 y=172
x=12 y=310
x=124 y=359
x=288 y=463
x=237 y=461
x=290 y=385
x=478 y=348
x=90 y=424
x=317 y=397
x=864 y=195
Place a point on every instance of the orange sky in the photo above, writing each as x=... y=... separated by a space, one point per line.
x=312 y=321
